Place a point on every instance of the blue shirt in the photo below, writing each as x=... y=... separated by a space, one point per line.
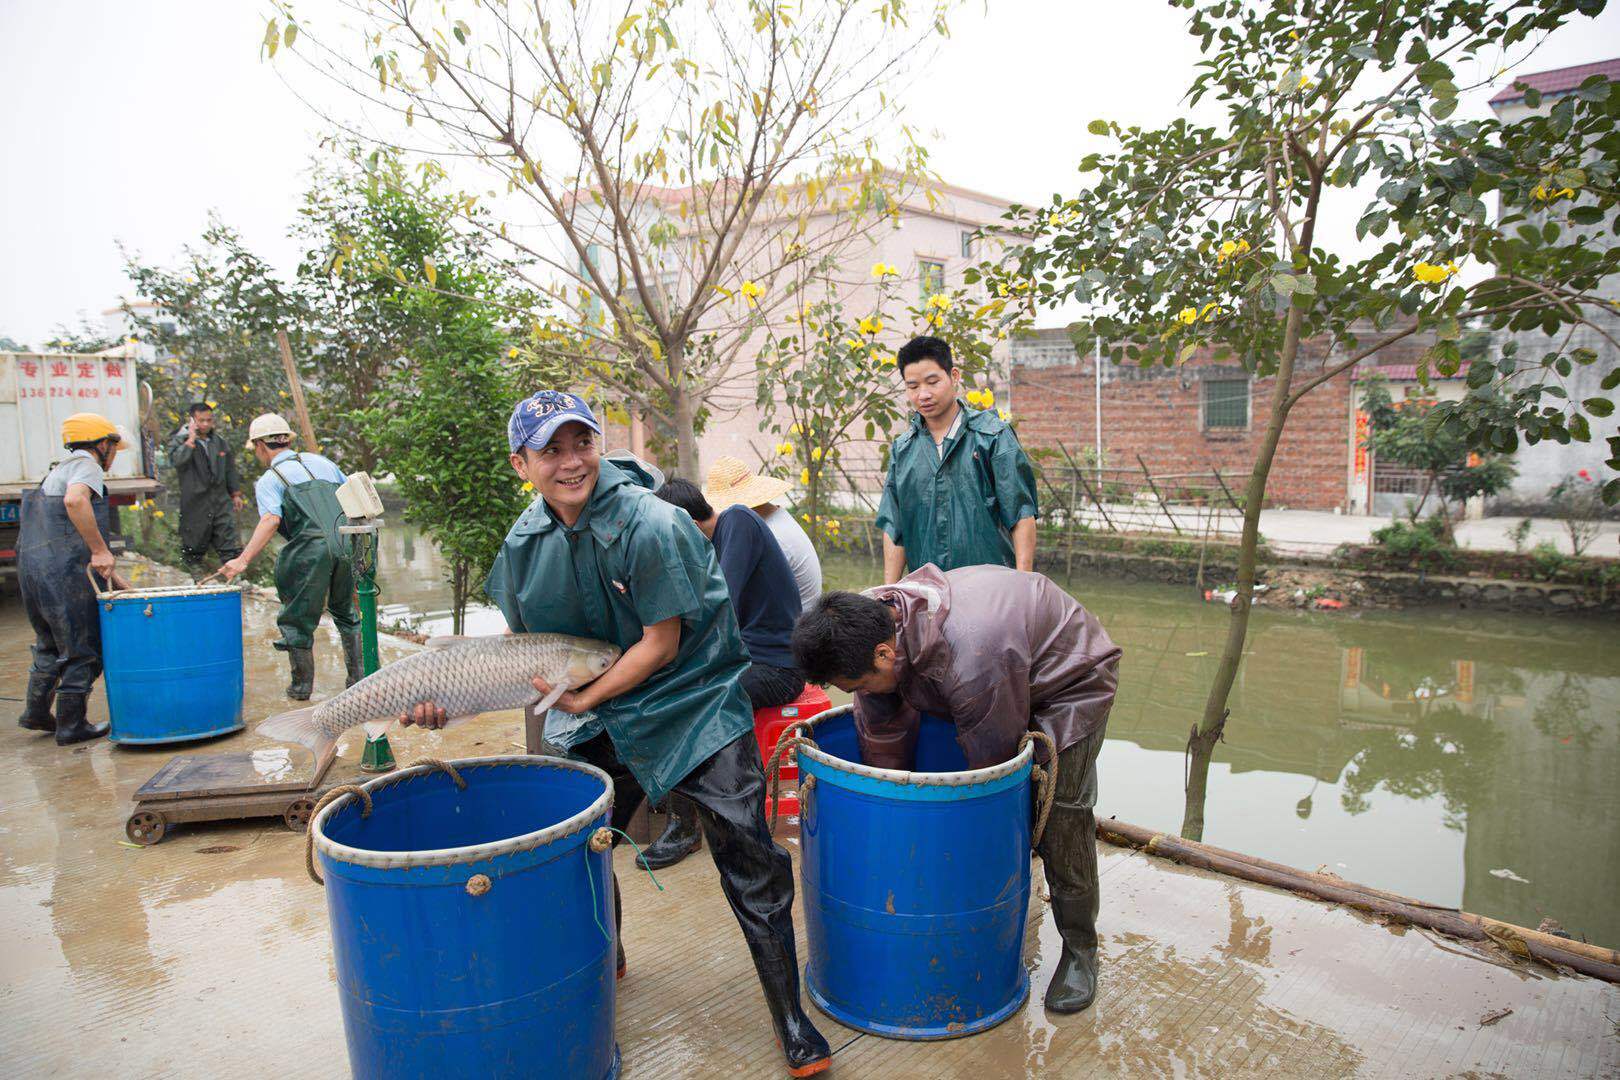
x=761 y=585
x=271 y=492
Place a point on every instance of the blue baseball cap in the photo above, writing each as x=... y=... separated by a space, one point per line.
x=537 y=418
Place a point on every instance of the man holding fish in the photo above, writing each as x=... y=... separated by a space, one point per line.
x=599 y=556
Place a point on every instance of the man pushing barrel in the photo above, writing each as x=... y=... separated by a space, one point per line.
x=598 y=555
x=999 y=652
x=63 y=532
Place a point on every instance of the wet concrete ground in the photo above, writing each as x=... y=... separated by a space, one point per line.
x=209 y=954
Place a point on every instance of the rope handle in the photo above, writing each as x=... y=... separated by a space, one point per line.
x=1045 y=777
x=309 y=836
x=114 y=580
x=439 y=763
x=785 y=742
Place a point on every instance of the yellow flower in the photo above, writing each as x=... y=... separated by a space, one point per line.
x=511 y=354
x=245 y=390
x=157 y=513
x=1188 y=315
x=1211 y=307
x=1006 y=417
x=805 y=518
x=939 y=302
x=1304 y=81
x=988 y=396
x=882 y=270
x=804 y=478
x=935 y=320
x=1433 y=273
x=528 y=485
x=815 y=454
x=283 y=393
x=751 y=292
x=785 y=449
x=796 y=430
x=1230 y=248
x=135 y=506
x=853 y=344
x=870 y=325
x=887 y=359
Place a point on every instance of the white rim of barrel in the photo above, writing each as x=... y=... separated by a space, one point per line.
x=966 y=778
x=159 y=592
x=387 y=860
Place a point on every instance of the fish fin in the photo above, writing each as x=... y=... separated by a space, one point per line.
x=444 y=641
x=550 y=699
x=297 y=726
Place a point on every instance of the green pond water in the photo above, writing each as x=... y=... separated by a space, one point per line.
x=1464 y=758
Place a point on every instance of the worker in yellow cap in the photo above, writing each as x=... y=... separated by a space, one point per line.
x=63 y=531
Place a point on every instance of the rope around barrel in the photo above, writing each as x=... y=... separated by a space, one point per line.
x=309 y=836
x=773 y=768
x=439 y=763
x=1046 y=776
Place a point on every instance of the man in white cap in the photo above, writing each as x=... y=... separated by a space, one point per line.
x=297 y=497
x=731 y=483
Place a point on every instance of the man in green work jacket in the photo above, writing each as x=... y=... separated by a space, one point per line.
x=598 y=555
x=960 y=491
x=210 y=489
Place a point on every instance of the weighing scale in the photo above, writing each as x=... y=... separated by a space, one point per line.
x=227 y=787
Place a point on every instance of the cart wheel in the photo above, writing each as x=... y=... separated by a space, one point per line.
x=298 y=814
x=145 y=827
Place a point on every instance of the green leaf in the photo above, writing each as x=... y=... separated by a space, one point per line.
x=1611 y=380
x=1611 y=492
x=1599 y=407
x=1532 y=98
x=1284 y=284
x=1098 y=127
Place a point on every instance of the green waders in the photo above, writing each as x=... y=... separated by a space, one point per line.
x=312 y=572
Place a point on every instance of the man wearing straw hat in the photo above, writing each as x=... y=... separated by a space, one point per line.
x=732 y=483
x=63 y=535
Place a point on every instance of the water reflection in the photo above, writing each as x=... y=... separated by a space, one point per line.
x=1416 y=751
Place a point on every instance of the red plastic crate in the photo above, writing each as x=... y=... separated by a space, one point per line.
x=768 y=727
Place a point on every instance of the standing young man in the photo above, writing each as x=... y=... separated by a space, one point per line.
x=999 y=652
x=210 y=489
x=297 y=497
x=598 y=555
x=63 y=529
x=960 y=490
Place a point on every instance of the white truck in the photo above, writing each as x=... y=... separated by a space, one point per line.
x=40 y=390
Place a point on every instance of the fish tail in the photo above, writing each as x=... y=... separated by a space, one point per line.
x=297 y=726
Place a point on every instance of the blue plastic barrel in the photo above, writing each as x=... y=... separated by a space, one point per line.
x=472 y=928
x=915 y=885
x=172 y=659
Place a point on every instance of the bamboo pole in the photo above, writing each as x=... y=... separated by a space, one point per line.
x=1095 y=497
x=297 y=392
x=1155 y=487
x=1588 y=959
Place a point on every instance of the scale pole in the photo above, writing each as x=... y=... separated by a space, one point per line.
x=378 y=755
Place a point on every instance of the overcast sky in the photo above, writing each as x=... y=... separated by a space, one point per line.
x=128 y=122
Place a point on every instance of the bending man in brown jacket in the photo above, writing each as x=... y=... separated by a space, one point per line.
x=999 y=652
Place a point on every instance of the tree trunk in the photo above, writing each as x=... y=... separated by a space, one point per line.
x=682 y=410
x=1201 y=743
x=459 y=570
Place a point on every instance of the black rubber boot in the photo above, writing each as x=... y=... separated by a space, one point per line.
x=71 y=725
x=36 y=714
x=302 y=662
x=681 y=837
x=353 y=658
x=806 y=1051
x=1074 y=984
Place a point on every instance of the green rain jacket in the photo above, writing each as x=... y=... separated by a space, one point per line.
x=958 y=510
x=632 y=560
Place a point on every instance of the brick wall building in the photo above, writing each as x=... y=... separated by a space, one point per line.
x=1200 y=416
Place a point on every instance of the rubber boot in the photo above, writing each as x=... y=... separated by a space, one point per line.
x=36 y=715
x=71 y=725
x=302 y=662
x=353 y=659
x=806 y=1051
x=681 y=837
x=1074 y=984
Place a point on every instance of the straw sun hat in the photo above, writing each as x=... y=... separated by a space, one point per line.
x=731 y=482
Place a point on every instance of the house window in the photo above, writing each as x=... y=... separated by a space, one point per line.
x=931 y=275
x=1226 y=403
x=967 y=244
